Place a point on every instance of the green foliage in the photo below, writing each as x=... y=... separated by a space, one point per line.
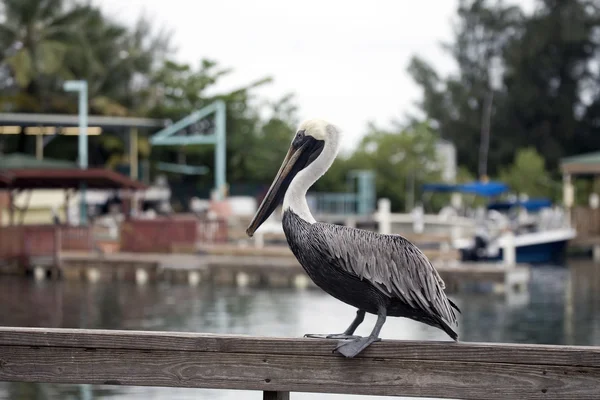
x=540 y=69
x=401 y=158
x=528 y=175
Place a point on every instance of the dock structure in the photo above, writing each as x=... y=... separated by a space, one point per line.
x=585 y=218
x=278 y=366
x=278 y=269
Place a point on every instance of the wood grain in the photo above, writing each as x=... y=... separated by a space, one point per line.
x=396 y=368
x=390 y=349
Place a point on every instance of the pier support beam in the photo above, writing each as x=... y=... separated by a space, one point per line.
x=194 y=278
x=596 y=252
x=141 y=276
x=39 y=273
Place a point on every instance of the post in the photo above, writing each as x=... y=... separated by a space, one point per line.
x=220 y=150
x=568 y=196
x=509 y=254
x=82 y=88
x=39 y=146
x=133 y=153
x=67 y=215
x=596 y=252
x=269 y=395
x=11 y=207
x=485 y=134
x=384 y=216
x=57 y=245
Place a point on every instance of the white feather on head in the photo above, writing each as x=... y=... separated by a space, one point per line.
x=320 y=129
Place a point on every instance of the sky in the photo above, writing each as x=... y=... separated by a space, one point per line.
x=345 y=61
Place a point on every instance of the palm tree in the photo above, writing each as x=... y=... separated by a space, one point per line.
x=35 y=36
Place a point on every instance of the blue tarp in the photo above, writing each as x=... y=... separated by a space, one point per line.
x=439 y=187
x=529 y=205
x=478 y=188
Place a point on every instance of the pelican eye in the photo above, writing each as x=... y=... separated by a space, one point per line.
x=299 y=139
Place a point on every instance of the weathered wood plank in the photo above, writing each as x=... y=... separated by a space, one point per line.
x=269 y=395
x=366 y=376
x=279 y=365
x=584 y=356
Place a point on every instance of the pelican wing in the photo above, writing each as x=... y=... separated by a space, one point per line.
x=391 y=263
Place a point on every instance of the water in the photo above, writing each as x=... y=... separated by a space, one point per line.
x=562 y=307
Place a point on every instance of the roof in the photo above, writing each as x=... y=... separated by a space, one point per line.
x=587 y=163
x=27 y=119
x=66 y=178
x=25 y=161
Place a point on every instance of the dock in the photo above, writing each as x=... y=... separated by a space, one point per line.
x=279 y=366
x=278 y=268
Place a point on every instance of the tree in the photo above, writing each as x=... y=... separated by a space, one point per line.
x=457 y=103
x=551 y=80
x=273 y=138
x=401 y=158
x=528 y=175
x=541 y=70
x=35 y=36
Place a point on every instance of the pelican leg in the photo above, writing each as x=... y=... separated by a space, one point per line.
x=351 y=348
x=348 y=333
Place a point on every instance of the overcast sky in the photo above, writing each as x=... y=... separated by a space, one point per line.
x=345 y=60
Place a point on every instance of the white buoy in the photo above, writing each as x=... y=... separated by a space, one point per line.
x=194 y=278
x=39 y=273
x=498 y=288
x=93 y=275
x=141 y=276
x=301 y=281
x=242 y=279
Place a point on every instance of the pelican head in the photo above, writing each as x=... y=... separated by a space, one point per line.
x=315 y=144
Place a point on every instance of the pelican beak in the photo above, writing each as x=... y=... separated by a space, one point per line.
x=300 y=154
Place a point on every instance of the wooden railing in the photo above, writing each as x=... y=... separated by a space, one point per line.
x=278 y=366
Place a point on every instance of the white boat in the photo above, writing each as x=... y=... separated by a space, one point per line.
x=540 y=231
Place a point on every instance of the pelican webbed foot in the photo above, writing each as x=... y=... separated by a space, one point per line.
x=338 y=336
x=353 y=347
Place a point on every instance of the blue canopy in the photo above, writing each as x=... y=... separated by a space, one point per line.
x=439 y=187
x=478 y=188
x=529 y=205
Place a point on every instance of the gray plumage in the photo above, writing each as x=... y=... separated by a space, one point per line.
x=389 y=262
x=372 y=270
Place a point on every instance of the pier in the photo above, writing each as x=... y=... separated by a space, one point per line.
x=279 y=366
x=279 y=269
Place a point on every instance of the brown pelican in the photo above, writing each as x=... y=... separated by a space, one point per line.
x=385 y=275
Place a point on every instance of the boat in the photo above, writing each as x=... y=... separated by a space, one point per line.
x=538 y=229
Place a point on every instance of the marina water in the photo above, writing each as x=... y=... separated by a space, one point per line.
x=562 y=306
